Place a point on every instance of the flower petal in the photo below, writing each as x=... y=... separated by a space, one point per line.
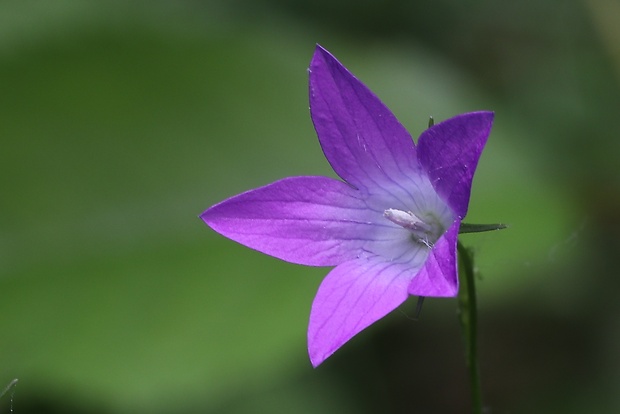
x=362 y=140
x=351 y=297
x=439 y=277
x=449 y=152
x=316 y=221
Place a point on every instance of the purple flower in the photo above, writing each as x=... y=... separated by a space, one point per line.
x=390 y=226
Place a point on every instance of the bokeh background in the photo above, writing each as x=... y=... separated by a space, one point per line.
x=121 y=121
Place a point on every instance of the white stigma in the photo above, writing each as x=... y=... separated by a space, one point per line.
x=406 y=219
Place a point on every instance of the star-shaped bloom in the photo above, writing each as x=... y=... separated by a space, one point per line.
x=390 y=226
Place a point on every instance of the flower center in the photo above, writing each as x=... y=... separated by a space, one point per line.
x=425 y=231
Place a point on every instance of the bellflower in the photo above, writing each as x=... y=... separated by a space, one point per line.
x=390 y=226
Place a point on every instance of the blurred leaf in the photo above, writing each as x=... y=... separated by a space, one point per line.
x=117 y=134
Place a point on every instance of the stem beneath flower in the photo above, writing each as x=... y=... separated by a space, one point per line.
x=7 y=389
x=418 y=308
x=469 y=323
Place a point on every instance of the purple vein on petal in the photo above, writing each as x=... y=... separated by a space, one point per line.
x=353 y=296
x=336 y=96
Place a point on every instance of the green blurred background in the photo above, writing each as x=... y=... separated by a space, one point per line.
x=121 y=121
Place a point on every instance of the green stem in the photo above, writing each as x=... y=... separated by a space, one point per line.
x=469 y=323
x=8 y=387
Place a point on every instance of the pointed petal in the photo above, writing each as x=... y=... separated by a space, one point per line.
x=315 y=221
x=351 y=297
x=438 y=277
x=449 y=152
x=362 y=140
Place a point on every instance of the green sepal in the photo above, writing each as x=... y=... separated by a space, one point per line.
x=479 y=228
